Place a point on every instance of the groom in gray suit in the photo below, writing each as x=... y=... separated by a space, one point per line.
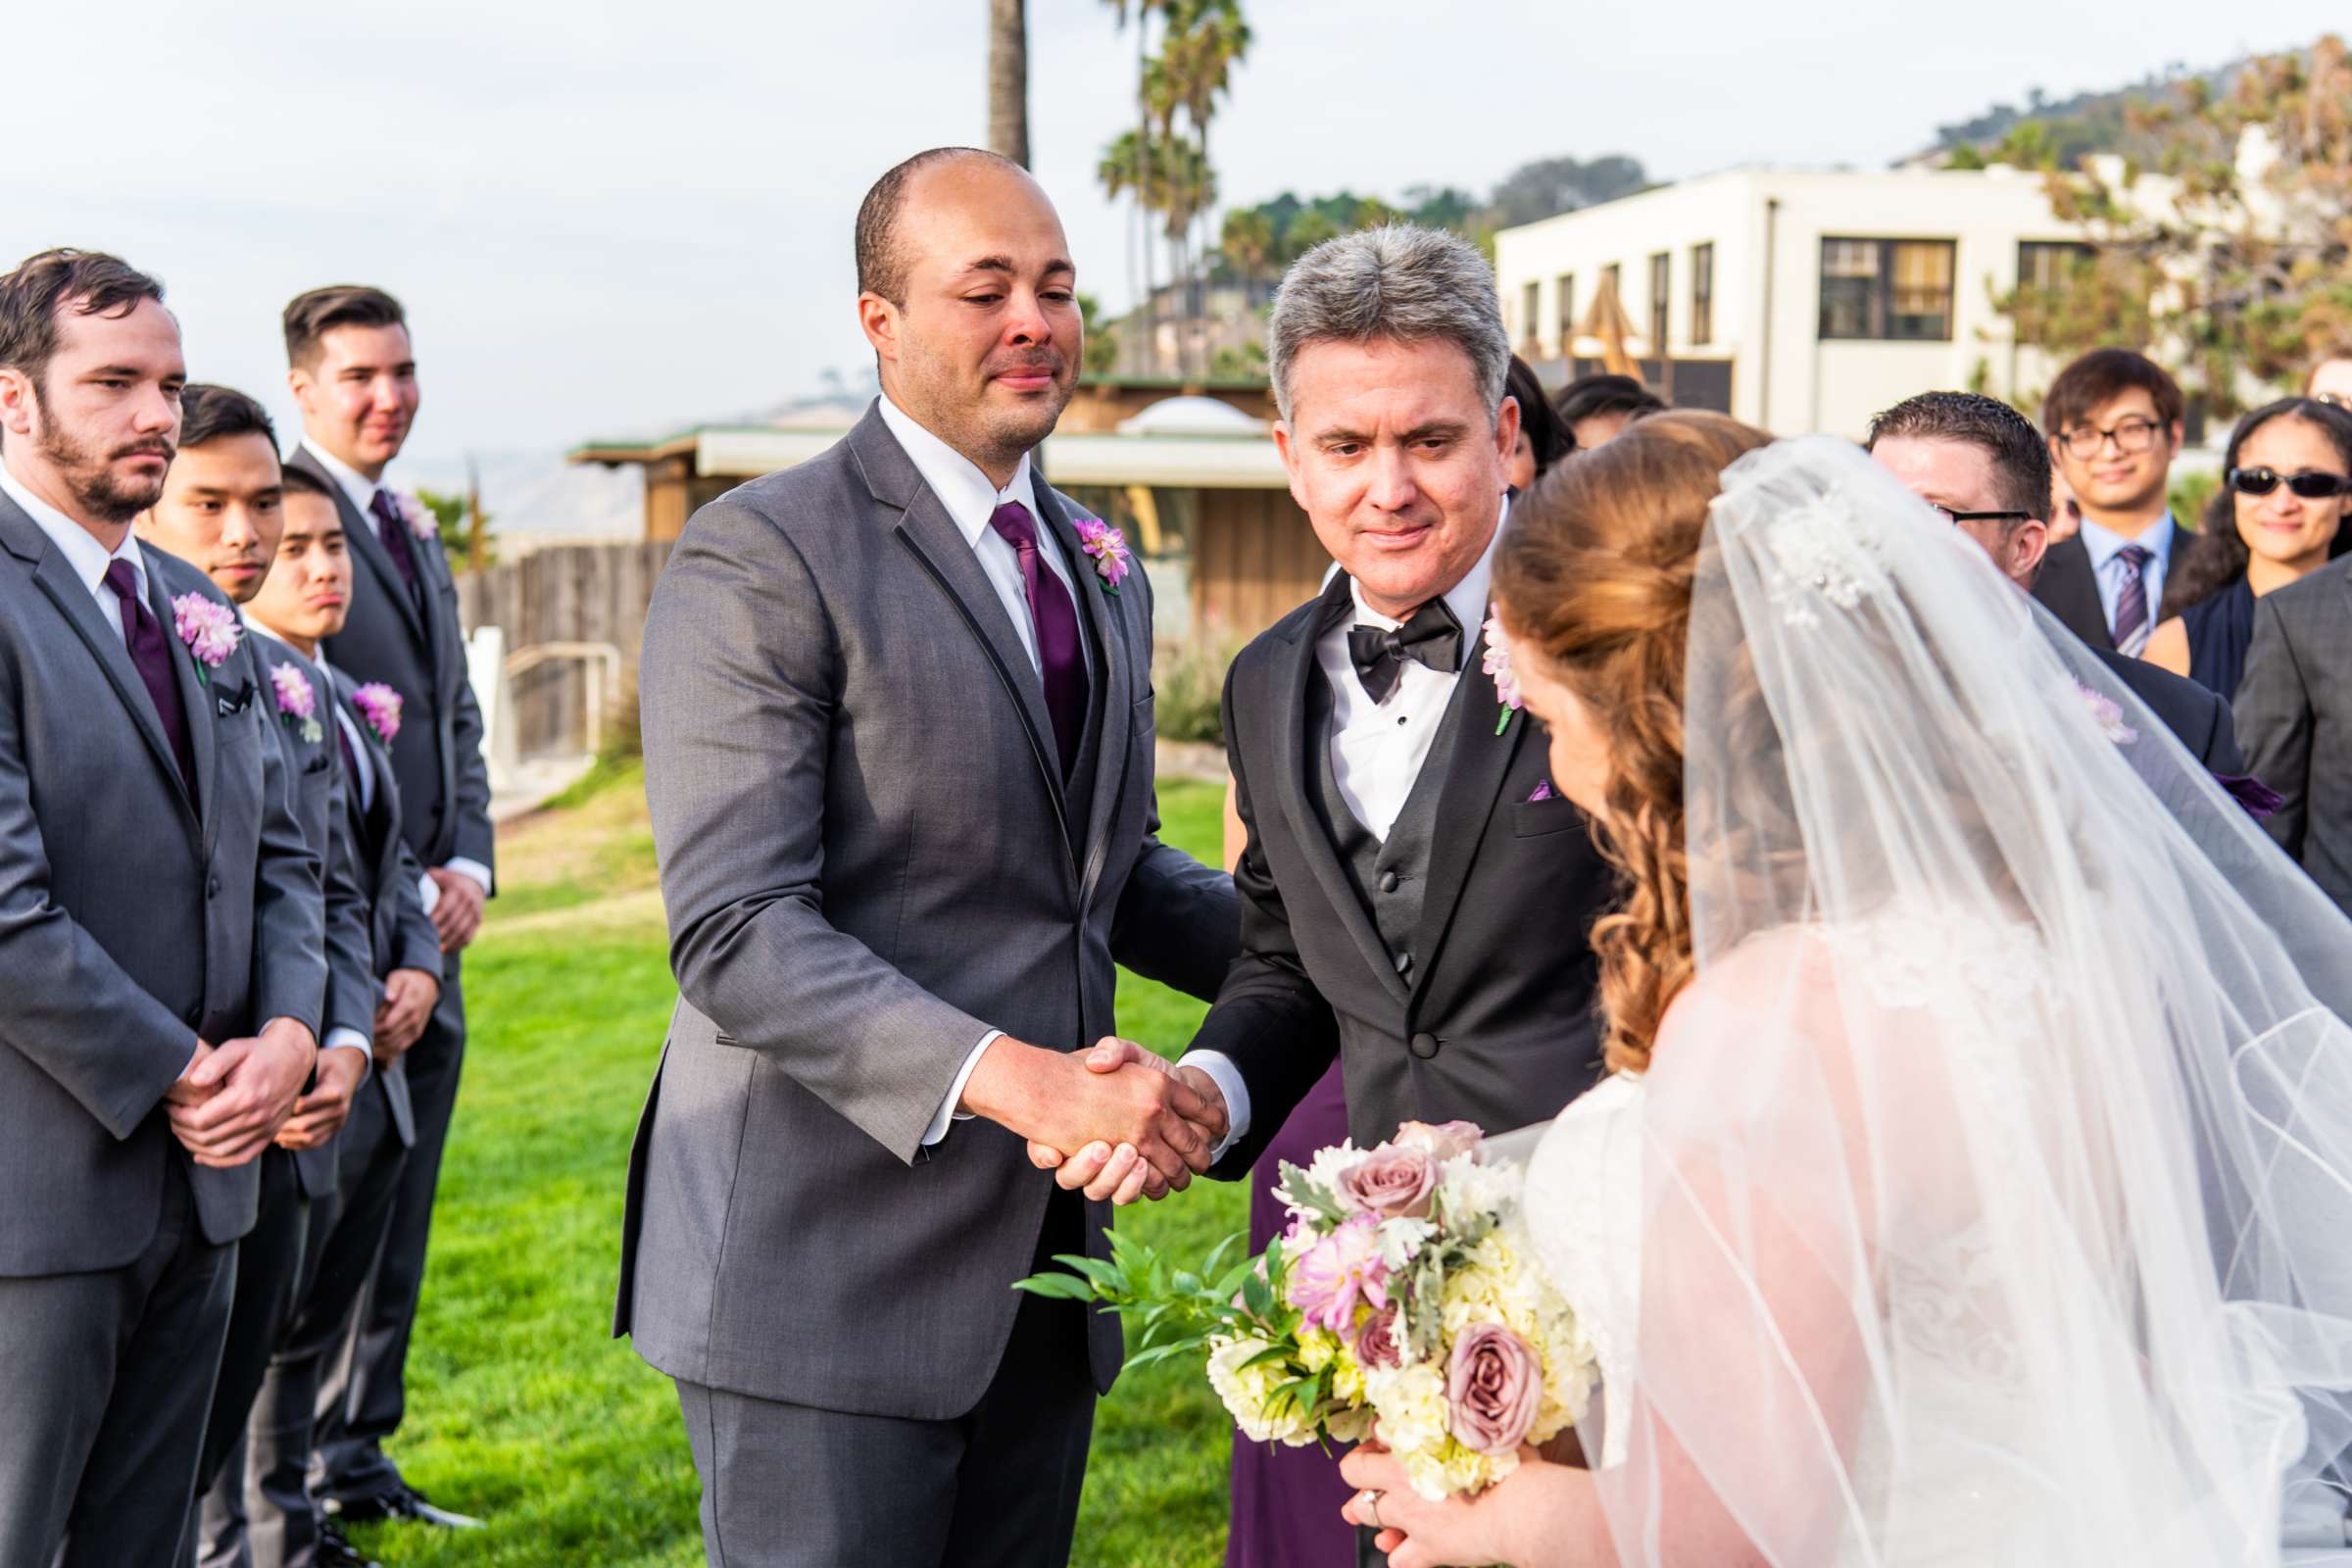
x=898 y=749
x=159 y=917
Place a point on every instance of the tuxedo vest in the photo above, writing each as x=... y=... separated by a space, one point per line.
x=1390 y=877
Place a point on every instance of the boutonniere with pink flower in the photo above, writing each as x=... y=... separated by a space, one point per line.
x=379 y=705
x=2106 y=712
x=1109 y=548
x=1497 y=666
x=210 y=630
x=419 y=519
x=297 y=703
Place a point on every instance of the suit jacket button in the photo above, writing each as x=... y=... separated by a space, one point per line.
x=1388 y=881
x=1424 y=1045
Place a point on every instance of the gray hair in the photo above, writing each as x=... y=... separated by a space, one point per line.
x=1399 y=283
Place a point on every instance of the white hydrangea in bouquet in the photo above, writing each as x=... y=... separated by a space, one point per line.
x=1396 y=1296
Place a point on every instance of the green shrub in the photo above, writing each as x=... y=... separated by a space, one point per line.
x=1189 y=685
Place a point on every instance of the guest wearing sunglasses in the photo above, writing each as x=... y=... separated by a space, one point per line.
x=2114 y=422
x=2279 y=516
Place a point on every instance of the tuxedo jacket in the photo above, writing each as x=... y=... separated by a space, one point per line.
x=2070 y=588
x=1496 y=1023
x=420 y=654
x=870 y=859
x=313 y=774
x=2294 y=716
x=400 y=934
x=2197 y=714
x=133 y=920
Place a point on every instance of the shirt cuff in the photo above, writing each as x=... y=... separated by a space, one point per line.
x=429 y=890
x=947 y=1111
x=346 y=1035
x=473 y=871
x=1228 y=1079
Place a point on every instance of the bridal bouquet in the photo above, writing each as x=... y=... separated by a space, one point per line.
x=1394 y=1295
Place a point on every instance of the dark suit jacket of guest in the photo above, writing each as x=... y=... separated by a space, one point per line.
x=444 y=783
x=2070 y=589
x=1496 y=1024
x=869 y=859
x=314 y=773
x=132 y=919
x=401 y=934
x=2197 y=715
x=2295 y=718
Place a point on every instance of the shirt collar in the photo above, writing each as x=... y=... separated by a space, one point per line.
x=970 y=496
x=2103 y=542
x=356 y=485
x=82 y=551
x=1468 y=599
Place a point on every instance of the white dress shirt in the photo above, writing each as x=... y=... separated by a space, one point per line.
x=1377 y=751
x=82 y=551
x=363 y=492
x=2108 y=570
x=971 y=498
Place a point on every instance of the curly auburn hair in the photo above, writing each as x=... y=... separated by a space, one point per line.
x=1593 y=577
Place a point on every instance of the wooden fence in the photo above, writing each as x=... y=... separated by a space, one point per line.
x=565 y=594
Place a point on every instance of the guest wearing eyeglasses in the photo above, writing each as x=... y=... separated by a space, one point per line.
x=2331 y=378
x=2114 y=423
x=2286 y=488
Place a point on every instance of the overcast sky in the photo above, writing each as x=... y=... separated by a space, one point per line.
x=614 y=218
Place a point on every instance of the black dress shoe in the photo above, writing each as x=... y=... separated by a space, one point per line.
x=403 y=1502
x=335 y=1550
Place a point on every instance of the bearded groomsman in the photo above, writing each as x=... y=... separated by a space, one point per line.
x=354 y=376
x=152 y=877
x=276 y=1523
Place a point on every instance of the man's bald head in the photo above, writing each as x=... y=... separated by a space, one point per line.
x=882 y=262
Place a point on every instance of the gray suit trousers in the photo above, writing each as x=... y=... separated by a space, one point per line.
x=788 y=1486
x=109 y=1377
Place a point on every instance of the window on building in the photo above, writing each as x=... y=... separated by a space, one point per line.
x=1661 y=285
x=1886 y=289
x=2045 y=268
x=1702 y=293
x=1531 y=306
x=1567 y=296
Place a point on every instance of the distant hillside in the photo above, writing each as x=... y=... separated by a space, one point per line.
x=2057 y=132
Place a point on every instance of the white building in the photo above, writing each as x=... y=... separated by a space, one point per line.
x=1798 y=302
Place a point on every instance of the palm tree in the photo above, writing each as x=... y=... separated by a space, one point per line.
x=1138 y=246
x=1008 y=80
x=1248 y=241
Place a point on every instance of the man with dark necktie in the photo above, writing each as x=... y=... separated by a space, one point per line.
x=353 y=373
x=161 y=917
x=2114 y=422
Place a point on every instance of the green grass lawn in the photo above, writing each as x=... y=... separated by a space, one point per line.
x=521 y=1407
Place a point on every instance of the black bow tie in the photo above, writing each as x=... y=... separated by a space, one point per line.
x=1432 y=637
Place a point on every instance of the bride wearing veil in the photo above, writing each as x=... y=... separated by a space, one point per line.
x=1973 y=1181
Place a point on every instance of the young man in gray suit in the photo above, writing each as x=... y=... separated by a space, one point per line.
x=222 y=511
x=163 y=917
x=353 y=375
x=302 y=602
x=898 y=750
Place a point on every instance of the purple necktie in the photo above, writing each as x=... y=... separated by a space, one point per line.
x=151 y=653
x=2132 y=603
x=393 y=529
x=1055 y=621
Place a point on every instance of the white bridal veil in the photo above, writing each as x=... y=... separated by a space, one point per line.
x=1997 y=1192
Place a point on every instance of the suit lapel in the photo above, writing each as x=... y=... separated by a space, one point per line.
x=196 y=698
x=360 y=531
x=1292 y=668
x=1474 y=775
x=1111 y=684
x=74 y=602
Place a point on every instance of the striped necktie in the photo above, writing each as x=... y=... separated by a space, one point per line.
x=2132 y=627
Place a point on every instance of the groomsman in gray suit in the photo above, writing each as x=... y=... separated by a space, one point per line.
x=898 y=750
x=275 y=1523
x=221 y=511
x=353 y=375
x=153 y=882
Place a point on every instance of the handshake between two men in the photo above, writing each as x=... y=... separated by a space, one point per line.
x=1118 y=1122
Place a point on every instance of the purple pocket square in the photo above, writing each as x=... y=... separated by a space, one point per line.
x=2257 y=798
x=1543 y=792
